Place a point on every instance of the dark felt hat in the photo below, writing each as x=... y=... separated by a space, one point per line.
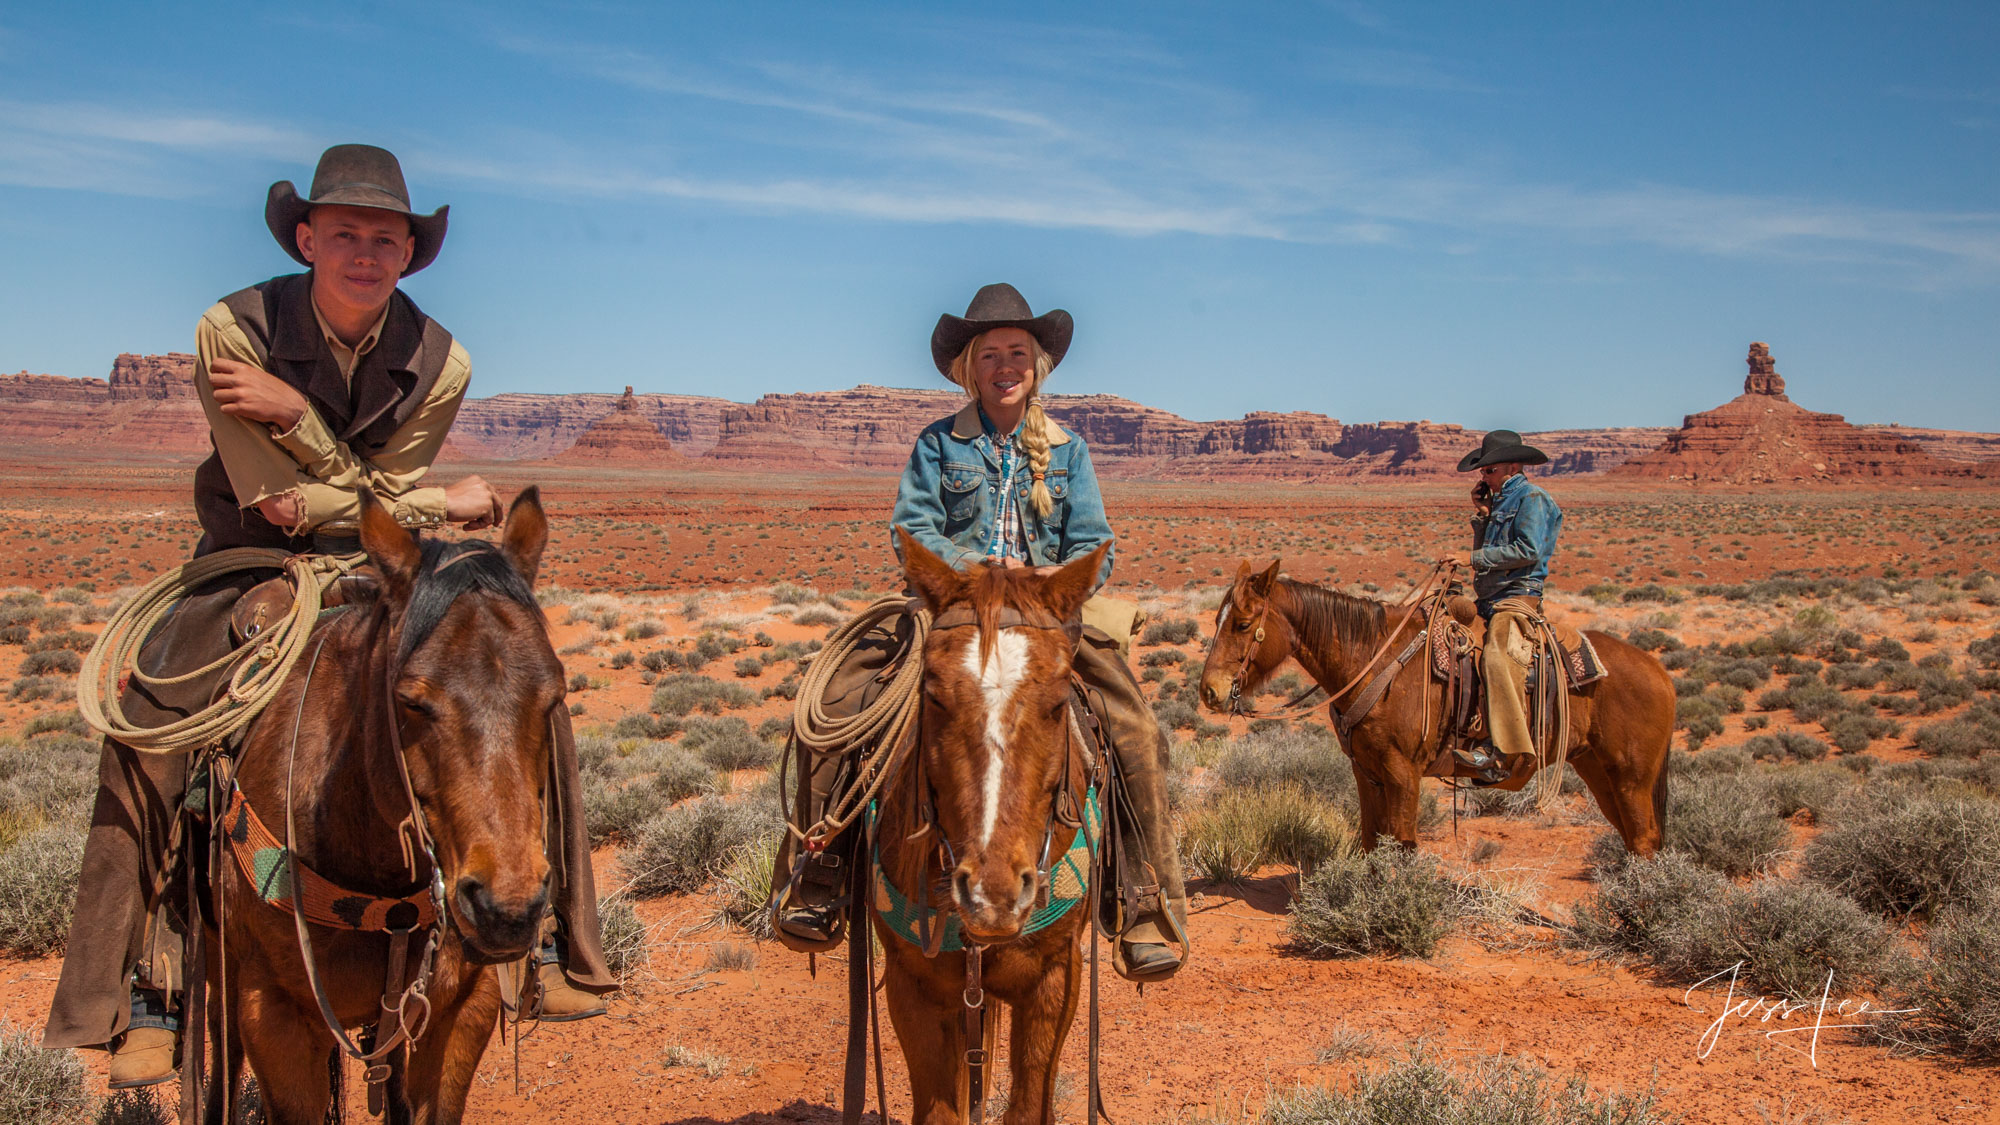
x=998 y=306
x=1501 y=447
x=354 y=176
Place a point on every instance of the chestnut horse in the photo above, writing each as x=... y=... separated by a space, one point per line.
x=1619 y=732
x=442 y=659
x=996 y=794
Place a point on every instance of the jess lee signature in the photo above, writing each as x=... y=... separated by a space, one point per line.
x=1766 y=1009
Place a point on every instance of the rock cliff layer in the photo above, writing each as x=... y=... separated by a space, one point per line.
x=1762 y=437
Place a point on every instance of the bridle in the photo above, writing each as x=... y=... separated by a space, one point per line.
x=1303 y=701
x=1080 y=768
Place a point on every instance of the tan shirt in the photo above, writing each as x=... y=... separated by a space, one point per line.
x=308 y=461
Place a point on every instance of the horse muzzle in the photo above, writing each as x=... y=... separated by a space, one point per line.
x=991 y=918
x=493 y=928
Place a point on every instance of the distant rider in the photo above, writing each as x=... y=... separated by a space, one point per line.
x=1514 y=529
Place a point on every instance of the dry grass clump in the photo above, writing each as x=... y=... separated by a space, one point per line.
x=1240 y=830
x=1390 y=900
x=40 y=869
x=746 y=884
x=38 y=1086
x=1954 y=988
x=626 y=945
x=1911 y=849
x=144 y=1106
x=1304 y=757
x=1419 y=1089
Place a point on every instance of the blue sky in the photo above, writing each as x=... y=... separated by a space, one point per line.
x=1523 y=215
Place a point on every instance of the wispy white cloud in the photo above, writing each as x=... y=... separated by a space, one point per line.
x=123 y=150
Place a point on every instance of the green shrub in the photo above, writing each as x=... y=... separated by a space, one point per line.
x=39 y=1086
x=1725 y=824
x=687 y=846
x=1909 y=850
x=29 y=689
x=1970 y=735
x=638 y=724
x=1421 y=1090
x=1390 y=900
x=40 y=870
x=1170 y=631
x=1854 y=732
x=682 y=693
x=55 y=661
x=1700 y=717
x=1691 y=923
x=728 y=744
x=1955 y=988
x=1786 y=744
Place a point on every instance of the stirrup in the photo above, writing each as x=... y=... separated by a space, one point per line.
x=1483 y=764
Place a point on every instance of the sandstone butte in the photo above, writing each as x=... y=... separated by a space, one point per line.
x=1762 y=437
x=146 y=409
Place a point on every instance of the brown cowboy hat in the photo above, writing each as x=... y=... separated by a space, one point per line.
x=999 y=306
x=1501 y=447
x=354 y=176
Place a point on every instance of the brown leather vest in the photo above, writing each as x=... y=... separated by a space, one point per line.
x=364 y=412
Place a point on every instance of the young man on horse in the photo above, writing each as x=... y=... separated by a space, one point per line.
x=999 y=483
x=1514 y=529
x=316 y=385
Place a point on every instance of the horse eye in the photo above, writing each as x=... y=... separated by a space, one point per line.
x=1243 y=626
x=418 y=706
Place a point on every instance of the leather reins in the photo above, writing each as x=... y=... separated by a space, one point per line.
x=1414 y=601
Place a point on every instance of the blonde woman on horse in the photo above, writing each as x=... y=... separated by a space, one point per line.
x=1001 y=484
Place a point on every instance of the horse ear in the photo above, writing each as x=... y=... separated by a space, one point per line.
x=1067 y=589
x=1261 y=584
x=526 y=533
x=931 y=577
x=390 y=546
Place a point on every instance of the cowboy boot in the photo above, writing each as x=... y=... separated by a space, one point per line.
x=1152 y=944
x=145 y=1054
x=809 y=904
x=556 y=1000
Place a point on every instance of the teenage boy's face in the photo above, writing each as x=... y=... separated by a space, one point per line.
x=357 y=254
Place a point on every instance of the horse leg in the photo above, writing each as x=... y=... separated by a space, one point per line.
x=443 y=1062
x=287 y=1050
x=1034 y=1042
x=1634 y=803
x=933 y=1042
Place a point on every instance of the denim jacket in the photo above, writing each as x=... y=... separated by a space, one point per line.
x=1512 y=546
x=949 y=498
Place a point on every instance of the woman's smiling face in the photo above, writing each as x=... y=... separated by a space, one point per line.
x=1003 y=368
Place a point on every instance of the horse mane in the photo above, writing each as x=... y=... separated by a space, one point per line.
x=1329 y=617
x=450 y=570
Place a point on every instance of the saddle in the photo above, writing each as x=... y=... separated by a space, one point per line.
x=1563 y=661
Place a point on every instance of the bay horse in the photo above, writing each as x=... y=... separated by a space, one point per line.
x=1619 y=731
x=405 y=758
x=992 y=804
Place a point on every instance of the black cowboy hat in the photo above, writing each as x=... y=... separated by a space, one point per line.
x=354 y=176
x=1501 y=447
x=999 y=306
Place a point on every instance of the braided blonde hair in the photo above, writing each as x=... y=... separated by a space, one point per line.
x=1033 y=435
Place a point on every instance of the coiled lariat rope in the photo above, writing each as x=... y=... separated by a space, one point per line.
x=884 y=730
x=262 y=662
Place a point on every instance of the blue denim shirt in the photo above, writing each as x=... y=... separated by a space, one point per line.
x=1512 y=548
x=949 y=498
